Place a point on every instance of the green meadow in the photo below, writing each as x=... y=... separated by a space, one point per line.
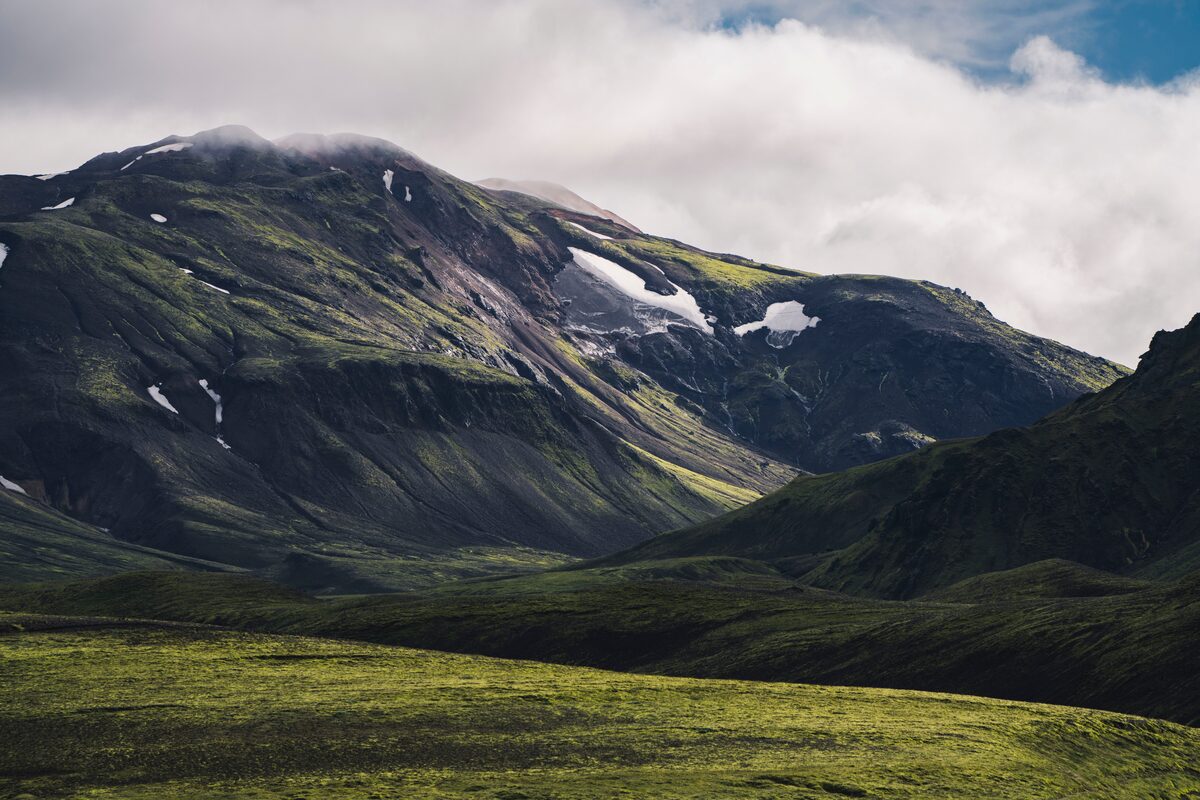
x=104 y=709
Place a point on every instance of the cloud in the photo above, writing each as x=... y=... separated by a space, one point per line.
x=1062 y=201
x=980 y=35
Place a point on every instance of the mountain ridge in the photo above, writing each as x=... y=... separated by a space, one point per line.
x=557 y=194
x=408 y=365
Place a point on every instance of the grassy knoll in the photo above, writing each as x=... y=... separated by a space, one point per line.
x=108 y=710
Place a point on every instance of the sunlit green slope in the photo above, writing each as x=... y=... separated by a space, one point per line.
x=148 y=711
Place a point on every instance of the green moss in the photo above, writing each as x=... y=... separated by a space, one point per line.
x=720 y=492
x=145 y=712
x=1049 y=357
x=693 y=267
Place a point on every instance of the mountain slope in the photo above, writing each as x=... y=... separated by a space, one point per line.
x=38 y=542
x=327 y=361
x=881 y=366
x=1108 y=481
x=367 y=409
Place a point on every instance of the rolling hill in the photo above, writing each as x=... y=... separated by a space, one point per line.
x=103 y=708
x=1049 y=632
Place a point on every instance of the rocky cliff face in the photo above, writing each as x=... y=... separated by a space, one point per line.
x=326 y=360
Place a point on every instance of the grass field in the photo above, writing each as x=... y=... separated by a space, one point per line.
x=1070 y=636
x=99 y=709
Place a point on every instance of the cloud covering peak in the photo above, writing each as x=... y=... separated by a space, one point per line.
x=1063 y=201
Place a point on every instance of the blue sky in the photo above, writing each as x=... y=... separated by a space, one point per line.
x=1150 y=41
x=1153 y=40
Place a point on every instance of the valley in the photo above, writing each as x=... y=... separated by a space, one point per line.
x=328 y=474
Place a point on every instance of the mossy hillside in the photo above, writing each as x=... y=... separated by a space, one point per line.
x=370 y=342
x=1053 y=357
x=738 y=289
x=837 y=508
x=297 y=279
x=1104 y=482
x=724 y=493
x=108 y=710
x=685 y=424
x=41 y=544
x=432 y=403
x=721 y=617
x=672 y=430
x=1107 y=644
x=715 y=276
x=1053 y=577
x=343 y=297
x=891 y=365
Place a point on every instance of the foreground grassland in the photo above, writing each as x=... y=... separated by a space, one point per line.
x=101 y=709
x=1052 y=632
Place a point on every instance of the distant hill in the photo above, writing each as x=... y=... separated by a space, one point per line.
x=1051 y=632
x=1110 y=482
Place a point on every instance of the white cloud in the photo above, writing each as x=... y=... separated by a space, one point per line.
x=1044 y=62
x=1064 y=202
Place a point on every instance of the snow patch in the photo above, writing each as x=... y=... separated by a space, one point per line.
x=49 y=175
x=161 y=399
x=3 y=253
x=158 y=218
x=387 y=179
x=70 y=201
x=218 y=411
x=216 y=398
x=588 y=232
x=206 y=283
x=784 y=321
x=12 y=487
x=130 y=164
x=407 y=195
x=681 y=303
x=168 y=148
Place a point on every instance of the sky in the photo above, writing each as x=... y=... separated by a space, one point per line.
x=1042 y=156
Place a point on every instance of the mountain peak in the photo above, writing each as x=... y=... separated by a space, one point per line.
x=557 y=194
x=229 y=136
x=326 y=144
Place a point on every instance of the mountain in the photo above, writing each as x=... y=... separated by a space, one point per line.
x=328 y=362
x=559 y=195
x=1108 y=482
